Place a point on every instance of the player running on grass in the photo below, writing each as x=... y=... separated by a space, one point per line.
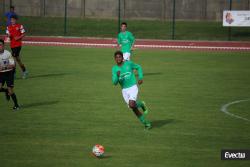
x=7 y=66
x=16 y=32
x=123 y=73
x=125 y=41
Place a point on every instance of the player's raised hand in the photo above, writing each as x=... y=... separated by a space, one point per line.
x=140 y=82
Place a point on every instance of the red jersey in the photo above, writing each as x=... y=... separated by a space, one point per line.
x=13 y=31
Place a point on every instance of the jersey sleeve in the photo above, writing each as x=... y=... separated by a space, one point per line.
x=119 y=39
x=139 y=70
x=115 y=78
x=22 y=30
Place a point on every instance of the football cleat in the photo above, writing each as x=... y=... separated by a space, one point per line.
x=15 y=108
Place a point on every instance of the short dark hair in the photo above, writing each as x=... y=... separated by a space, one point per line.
x=14 y=17
x=118 y=53
x=2 y=41
x=12 y=7
x=124 y=23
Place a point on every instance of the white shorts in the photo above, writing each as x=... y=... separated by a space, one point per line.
x=126 y=56
x=130 y=93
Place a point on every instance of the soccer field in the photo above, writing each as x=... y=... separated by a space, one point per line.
x=68 y=104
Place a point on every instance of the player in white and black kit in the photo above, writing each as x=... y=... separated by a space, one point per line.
x=7 y=66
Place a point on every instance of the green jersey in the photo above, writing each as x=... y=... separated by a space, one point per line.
x=127 y=77
x=126 y=40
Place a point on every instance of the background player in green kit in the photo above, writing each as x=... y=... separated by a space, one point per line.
x=123 y=73
x=125 y=41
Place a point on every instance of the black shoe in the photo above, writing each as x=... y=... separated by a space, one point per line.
x=7 y=96
x=15 y=108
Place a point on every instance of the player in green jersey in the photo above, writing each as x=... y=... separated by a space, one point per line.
x=123 y=73
x=125 y=41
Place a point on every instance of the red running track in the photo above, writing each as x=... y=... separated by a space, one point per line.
x=151 y=44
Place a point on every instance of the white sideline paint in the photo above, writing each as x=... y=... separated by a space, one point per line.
x=138 y=46
x=225 y=107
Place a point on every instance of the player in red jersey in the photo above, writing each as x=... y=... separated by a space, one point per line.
x=16 y=32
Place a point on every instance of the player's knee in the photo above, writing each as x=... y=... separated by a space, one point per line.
x=132 y=104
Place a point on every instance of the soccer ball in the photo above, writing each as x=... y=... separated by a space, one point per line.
x=98 y=150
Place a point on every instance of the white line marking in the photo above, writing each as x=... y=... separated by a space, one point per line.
x=225 y=107
x=138 y=46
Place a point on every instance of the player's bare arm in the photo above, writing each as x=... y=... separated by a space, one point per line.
x=140 y=82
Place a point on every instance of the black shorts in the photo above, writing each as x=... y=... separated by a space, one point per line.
x=8 y=78
x=16 y=51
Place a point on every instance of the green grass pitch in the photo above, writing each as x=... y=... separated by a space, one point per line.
x=69 y=104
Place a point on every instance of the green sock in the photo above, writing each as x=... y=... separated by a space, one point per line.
x=139 y=104
x=142 y=119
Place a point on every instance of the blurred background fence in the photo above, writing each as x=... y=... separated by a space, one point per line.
x=147 y=19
